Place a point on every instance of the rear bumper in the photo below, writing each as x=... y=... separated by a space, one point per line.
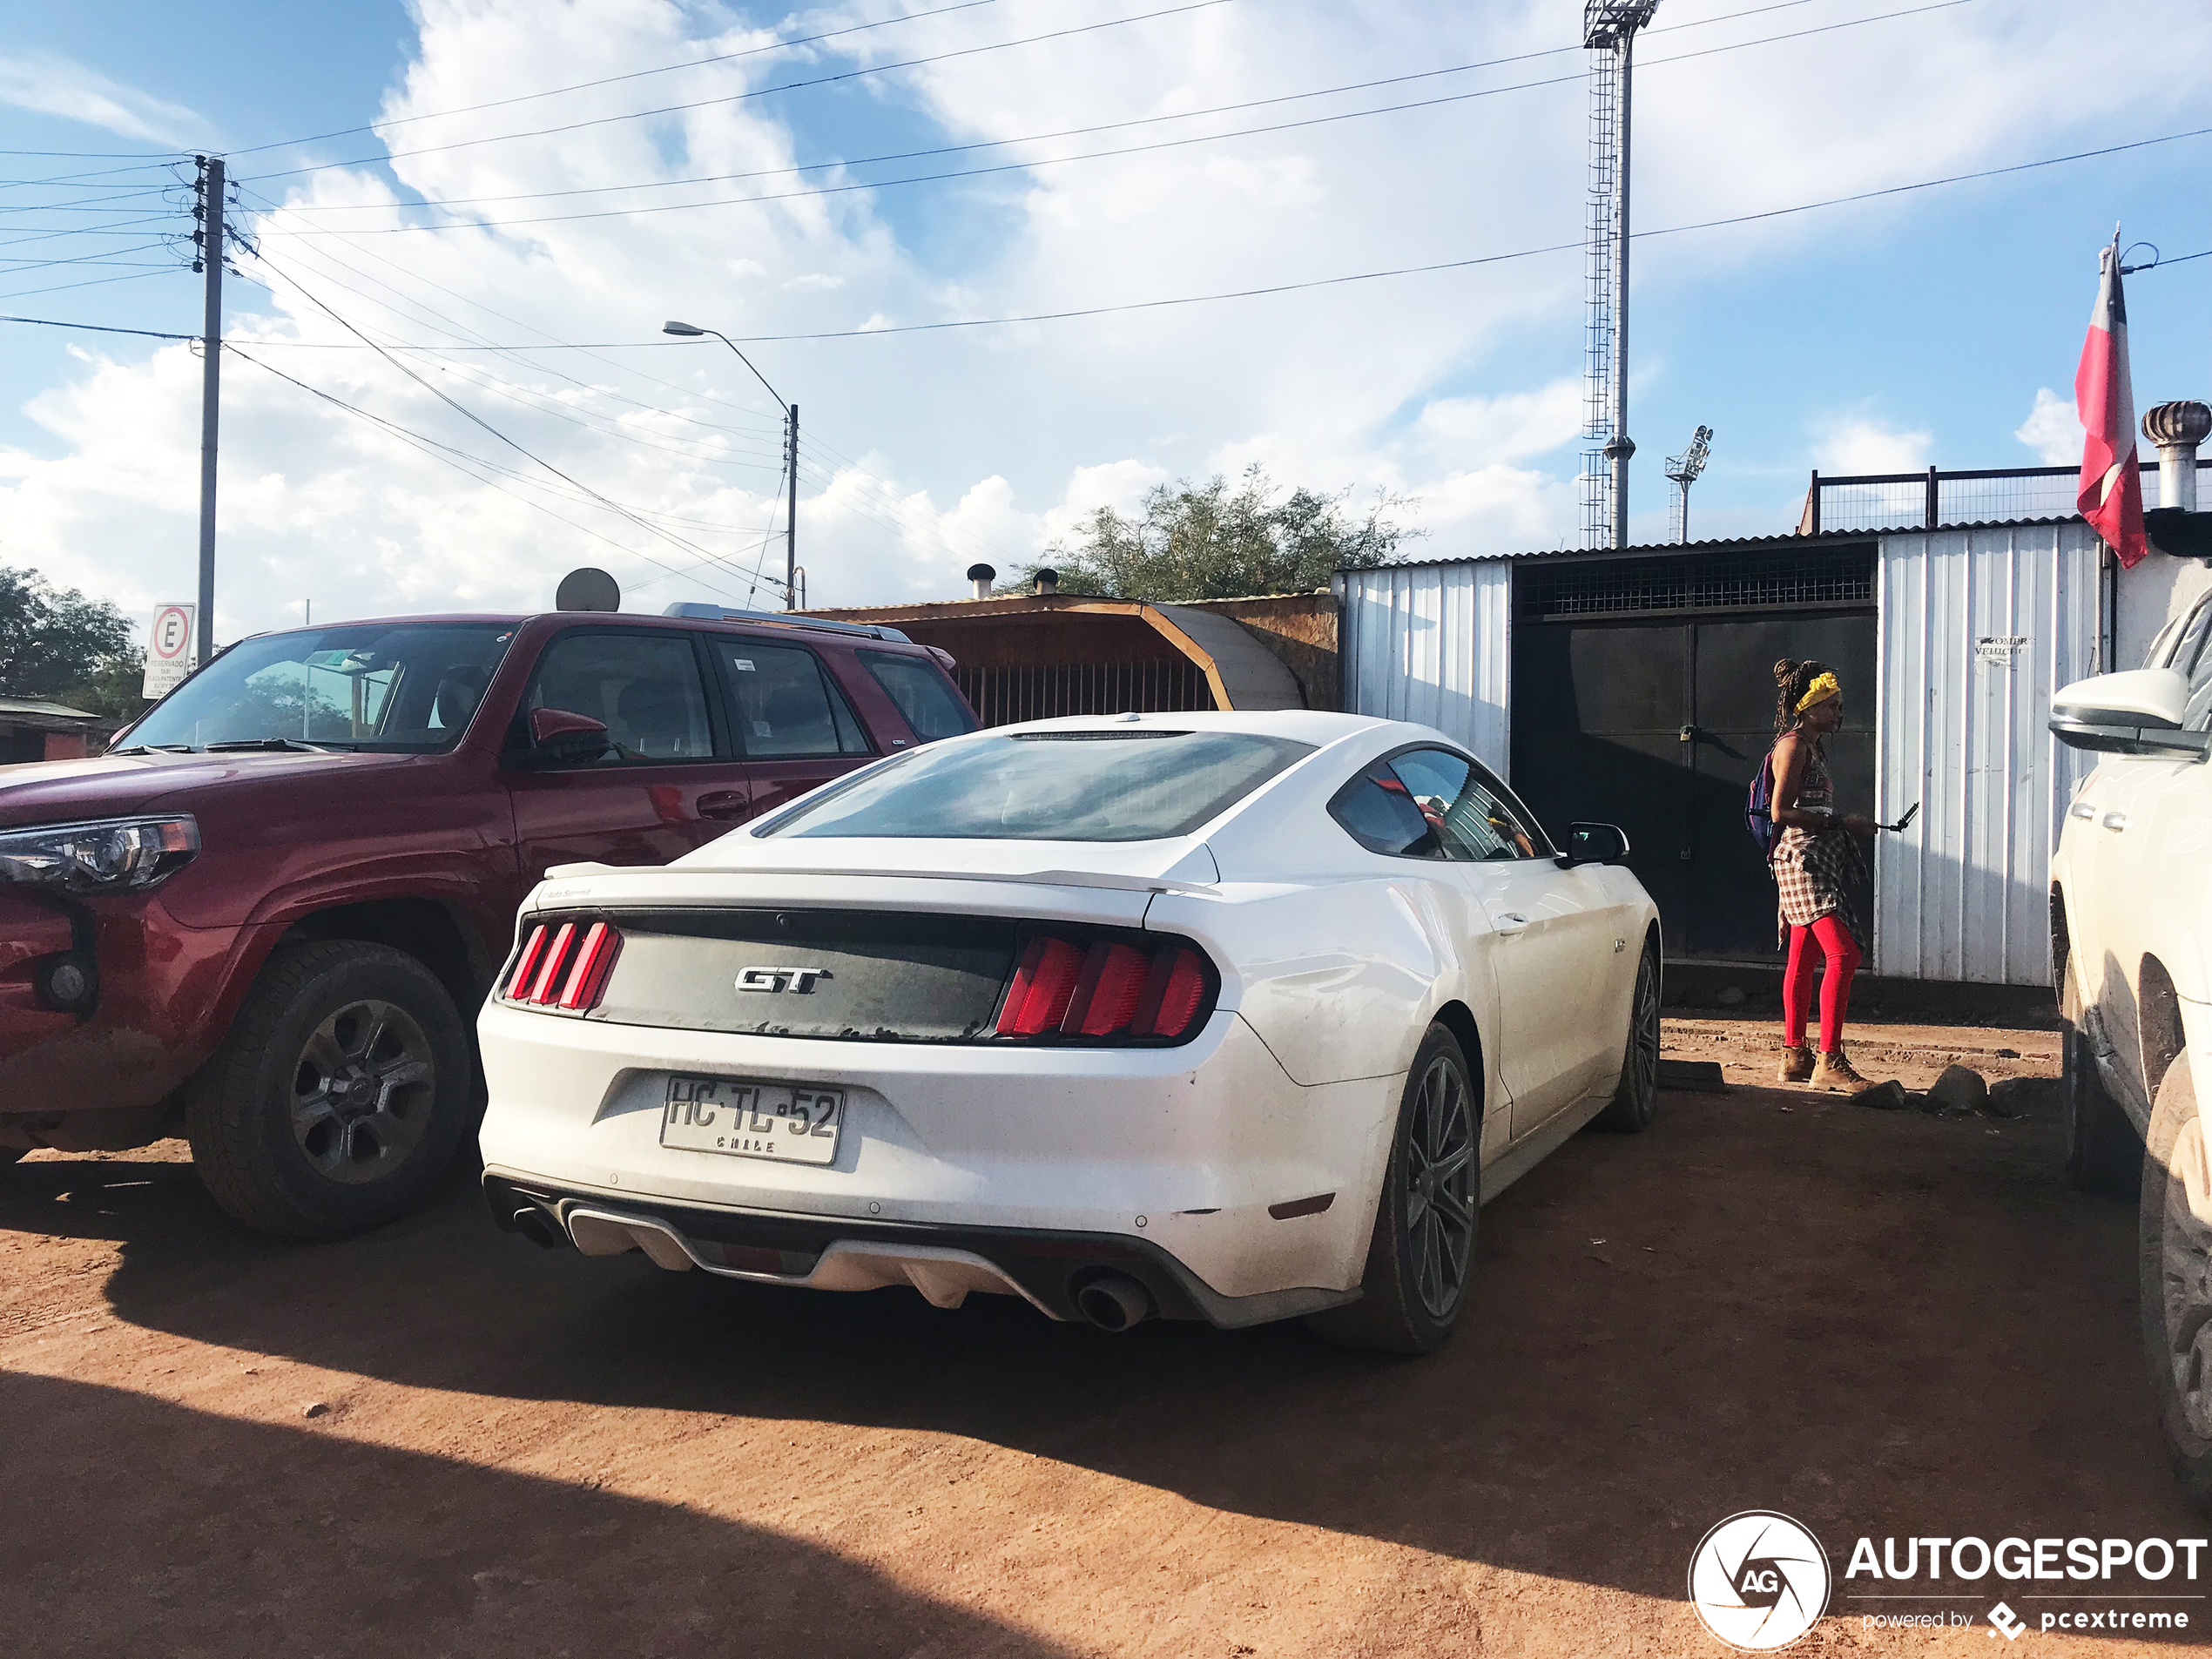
x=1206 y=1156
x=945 y=1264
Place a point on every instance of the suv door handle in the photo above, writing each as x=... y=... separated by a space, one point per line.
x=2082 y=809
x=1520 y=923
x=723 y=803
x=2114 y=822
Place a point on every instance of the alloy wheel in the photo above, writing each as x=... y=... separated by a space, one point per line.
x=363 y=1091
x=1439 y=1208
x=2186 y=1269
x=1643 y=1041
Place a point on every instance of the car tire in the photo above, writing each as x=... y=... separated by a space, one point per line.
x=1421 y=1253
x=1636 y=1101
x=2103 y=1154
x=2175 y=1290
x=339 y=1097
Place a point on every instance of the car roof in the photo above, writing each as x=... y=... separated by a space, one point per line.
x=1319 y=727
x=753 y=624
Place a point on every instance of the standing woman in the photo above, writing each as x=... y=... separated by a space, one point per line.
x=1816 y=859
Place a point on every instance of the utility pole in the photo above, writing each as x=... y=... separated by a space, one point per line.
x=1608 y=30
x=790 y=521
x=209 y=211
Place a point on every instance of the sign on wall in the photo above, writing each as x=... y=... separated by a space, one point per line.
x=170 y=656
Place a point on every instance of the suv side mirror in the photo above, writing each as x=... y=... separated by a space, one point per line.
x=2137 y=712
x=560 y=737
x=1593 y=843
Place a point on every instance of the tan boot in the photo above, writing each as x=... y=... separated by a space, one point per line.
x=1834 y=1071
x=1797 y=1064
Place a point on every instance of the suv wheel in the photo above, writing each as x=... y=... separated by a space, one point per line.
x=2102 y=1154
x=338 y=1098
x=2174 y=1257
x=1423 y=1248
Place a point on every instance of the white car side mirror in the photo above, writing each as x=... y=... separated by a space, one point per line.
x=2137 y=712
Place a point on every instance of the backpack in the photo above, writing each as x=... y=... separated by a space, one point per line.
x=1758 y=806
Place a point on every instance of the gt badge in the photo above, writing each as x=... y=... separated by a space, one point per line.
x=800 y=979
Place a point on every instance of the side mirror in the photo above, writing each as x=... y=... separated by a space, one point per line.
x=2137 y=712
x=1593 y=843
x=560 y=737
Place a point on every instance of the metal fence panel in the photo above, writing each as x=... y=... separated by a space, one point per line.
x=1977 y=628
x=1431 y=643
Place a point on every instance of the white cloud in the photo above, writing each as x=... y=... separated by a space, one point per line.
x=1511 y=426
x=1859 y=444
x=2053 y=430
x=48 y=84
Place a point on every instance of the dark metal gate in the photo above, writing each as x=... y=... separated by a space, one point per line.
x=1643 y=696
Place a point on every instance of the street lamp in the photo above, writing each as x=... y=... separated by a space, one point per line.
x=692 y=331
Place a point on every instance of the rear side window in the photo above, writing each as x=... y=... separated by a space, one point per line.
x=783 y=705
x=646 y=687
x=1434 y=803
x=925 y=697
x=1377 y=811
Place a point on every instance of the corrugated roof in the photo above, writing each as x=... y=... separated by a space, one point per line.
x=40 y=706
x=1739 y=543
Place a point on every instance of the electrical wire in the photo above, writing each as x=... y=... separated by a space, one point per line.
x=740 y=98
x=1577 y=78
x=140 y=276
x=456 y=457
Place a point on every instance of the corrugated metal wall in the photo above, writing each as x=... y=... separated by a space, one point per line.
x=1431 y=643
x=1978 y=628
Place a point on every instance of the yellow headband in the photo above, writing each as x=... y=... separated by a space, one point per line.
x=1820 y=690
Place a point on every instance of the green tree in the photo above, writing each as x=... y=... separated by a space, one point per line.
x=53 y=640
x=1211 y=542
x=113 y=689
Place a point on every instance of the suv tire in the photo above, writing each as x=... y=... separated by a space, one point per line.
x=2174 y=1258
x=2102 y=1153
x=1636 y=1101
x=1422 y=1251
x=339 y=1097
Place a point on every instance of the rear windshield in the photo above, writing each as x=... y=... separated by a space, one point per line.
x=925 y=697
x=396 y=687
x=1092 y=786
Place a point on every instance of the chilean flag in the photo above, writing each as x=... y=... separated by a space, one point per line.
x=2110 y=494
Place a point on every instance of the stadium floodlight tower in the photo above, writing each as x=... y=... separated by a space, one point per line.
x=1608 y=30
x=1682 y=469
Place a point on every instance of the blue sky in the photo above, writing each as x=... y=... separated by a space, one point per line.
x=1912 y=329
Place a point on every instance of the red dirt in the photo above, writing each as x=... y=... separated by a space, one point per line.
x=1876 y=1323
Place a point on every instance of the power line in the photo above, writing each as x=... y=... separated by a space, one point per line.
x=609 y=80
x=1577 y=78
x=95 y=328
x=1117 y=126
x=740 y=98
x=454 y=457
x=24 y=293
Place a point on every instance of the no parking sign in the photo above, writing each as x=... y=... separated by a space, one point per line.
x=169 y=649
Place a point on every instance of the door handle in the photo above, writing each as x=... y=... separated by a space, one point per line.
x=723 y=804
x=1520 y=923
x=2082 y=809
x=2114 y=822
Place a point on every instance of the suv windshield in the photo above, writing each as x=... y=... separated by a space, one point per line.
x=1091 y=785
x=394 y=687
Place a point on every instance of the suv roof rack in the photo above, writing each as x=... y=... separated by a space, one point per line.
x=700 y=612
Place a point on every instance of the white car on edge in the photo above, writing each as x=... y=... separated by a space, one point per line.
x=1225 y=1016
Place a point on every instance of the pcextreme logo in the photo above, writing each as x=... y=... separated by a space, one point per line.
x=1759 y=1580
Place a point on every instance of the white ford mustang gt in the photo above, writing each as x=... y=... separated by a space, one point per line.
x=1226 y=1016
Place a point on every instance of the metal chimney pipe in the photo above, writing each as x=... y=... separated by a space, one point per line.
x=2177 y=428
x=980 y=577
x=1046 y=582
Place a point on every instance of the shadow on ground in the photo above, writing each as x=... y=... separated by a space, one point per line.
x=1881 y=1324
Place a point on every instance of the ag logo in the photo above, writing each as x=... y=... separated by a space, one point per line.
x=1759 y=1580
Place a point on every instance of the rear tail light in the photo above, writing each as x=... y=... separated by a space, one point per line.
x=564 y=966
x=1107 y=990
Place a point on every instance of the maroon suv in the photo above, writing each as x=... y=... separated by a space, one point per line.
x=265 y=918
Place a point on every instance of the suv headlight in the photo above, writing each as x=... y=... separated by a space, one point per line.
x=113 y=855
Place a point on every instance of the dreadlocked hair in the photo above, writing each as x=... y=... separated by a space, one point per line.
x=1792 y=680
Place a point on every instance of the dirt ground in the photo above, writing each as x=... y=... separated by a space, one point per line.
x=440 y=1439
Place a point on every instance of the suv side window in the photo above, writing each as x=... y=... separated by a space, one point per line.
x=783 y=705
x=646 y=687
x=925 y=697
x=2192 y=658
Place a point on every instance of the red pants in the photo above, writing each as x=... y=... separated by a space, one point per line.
x=1842 y=952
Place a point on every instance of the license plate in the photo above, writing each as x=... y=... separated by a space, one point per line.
x=790 y=1122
